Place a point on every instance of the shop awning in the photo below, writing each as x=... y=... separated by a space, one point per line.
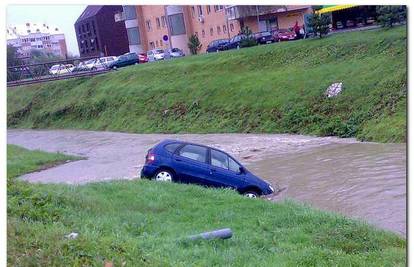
x=327 y=9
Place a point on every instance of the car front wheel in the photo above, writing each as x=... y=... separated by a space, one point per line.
x=164 y=176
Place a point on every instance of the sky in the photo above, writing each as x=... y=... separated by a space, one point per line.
x=63 y=16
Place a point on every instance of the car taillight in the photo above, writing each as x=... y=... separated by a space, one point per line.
x=149 y=158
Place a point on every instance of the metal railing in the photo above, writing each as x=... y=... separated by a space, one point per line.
x=55 y=70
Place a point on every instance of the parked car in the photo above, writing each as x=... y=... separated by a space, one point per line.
x=61 y=69
x=155 y=55
x=176 y=52
x=217 y=45
x=265 y=37
x=285 y=35
x=142 y=57
x=124 y=60
x=183 y=162
x=234 y=42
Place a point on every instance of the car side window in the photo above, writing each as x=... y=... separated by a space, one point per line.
x=234 y=166
x=219 y=159
x=194 y=152
x=172 y=147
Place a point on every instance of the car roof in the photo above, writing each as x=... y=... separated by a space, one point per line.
x=172 y=141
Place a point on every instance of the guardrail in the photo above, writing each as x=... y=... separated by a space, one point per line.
x=55 y=70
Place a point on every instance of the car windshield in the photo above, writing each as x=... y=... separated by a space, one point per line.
x=175 y=50
x=158 y=51
x=55 y=67
x=90 y=61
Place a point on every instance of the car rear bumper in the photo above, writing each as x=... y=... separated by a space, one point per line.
x=148 y=171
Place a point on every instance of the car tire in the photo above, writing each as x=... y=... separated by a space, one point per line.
x=251 y=194
x=93 y=69
x=238 y=47
x=136 y=63
x=164 y=175
x=114 y=67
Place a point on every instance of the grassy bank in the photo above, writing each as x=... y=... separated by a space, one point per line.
x=142 y=223
x=275 y=88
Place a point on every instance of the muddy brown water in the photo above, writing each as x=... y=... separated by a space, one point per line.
x=361 y=180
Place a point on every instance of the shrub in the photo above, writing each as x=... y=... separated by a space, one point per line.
x=388 y=15
x=249 y=40
x=320 y=24
x=194 y=44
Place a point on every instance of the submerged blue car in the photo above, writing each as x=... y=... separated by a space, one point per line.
x=183 y=162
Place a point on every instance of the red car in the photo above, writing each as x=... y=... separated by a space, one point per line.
x=142 y=57
x=285 y=35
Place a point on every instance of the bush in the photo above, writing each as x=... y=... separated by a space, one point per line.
x=388 y=15
x=194 y=44
x=249 y=40
x=320 y=24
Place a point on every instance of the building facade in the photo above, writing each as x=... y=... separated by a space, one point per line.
x=267 y=18
x=146 y=26
x=99 y=34
x=36 y=36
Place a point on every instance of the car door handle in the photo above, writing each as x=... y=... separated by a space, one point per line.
x=177 y=159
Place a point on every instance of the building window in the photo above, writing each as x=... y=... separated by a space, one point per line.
x=148 y=23
x=87 y=27
x=196 y=34
x=231 y=27
x=218 y=8
x=200 y=10
x=177 y=24
x=211 y=31
x=156 y=43
x=163 y=23
x=130 y=12
x=203 y=33
x=218 y=30
x=133 y=36
x=157 y=20
x=161 y=43
x=193 y=11
x=224 y=29
x=152 y=45
x=93 y=27
x=208 y=9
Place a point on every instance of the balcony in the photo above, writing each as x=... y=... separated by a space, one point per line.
x=240 y=12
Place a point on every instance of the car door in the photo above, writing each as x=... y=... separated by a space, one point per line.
x=224 y=171
x=190 y=164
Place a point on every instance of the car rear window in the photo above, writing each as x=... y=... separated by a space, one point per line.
x=172 y=147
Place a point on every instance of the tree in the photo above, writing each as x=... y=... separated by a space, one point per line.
x=388 y=15
x=320 y=24
x=194 y=44
x=12 y=56
x=249 y=39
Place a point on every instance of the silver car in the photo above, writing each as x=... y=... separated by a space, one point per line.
x=176 y=52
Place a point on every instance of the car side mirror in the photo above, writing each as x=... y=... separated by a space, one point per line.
x=242 y=170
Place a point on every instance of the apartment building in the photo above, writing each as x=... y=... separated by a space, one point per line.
x=146 y=26
x=98 y=34
x=36 y=36
x=266 y=18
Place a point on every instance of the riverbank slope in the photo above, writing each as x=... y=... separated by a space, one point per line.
x=275 y=88
x=144 y=223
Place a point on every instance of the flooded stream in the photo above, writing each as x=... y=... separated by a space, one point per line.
x=361 y=180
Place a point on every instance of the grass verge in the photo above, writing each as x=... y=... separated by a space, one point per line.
x=277 y=88
x=143 y=223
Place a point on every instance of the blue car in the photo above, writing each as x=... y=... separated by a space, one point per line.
x=183 y=162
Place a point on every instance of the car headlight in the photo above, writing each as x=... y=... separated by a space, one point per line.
x=271 y=188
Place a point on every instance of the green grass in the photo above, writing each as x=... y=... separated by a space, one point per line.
x=275 y=88
x=144 y=223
